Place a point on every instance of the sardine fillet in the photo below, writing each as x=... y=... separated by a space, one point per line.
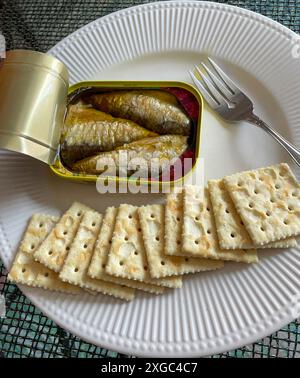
x=88 y=131
x=158 y=151
x=158 y=111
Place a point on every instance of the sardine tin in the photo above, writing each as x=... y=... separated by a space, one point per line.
x=34 y=89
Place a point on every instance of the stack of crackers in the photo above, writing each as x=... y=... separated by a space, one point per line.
x=235 y=216
x=151 y=247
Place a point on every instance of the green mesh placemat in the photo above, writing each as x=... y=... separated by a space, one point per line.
x=39 y=25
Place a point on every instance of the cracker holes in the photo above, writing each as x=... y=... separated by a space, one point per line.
x=272 y=200
x=152 y=216
x=76 y=270
x=121 y=263
x=290 y=208
x=79 y=213
x=232 y=235
x=262 y=229
x=157 y=238
x=294 y=194
x=178 y=219
x=186 y=259
x=268 y=214
x=178 y=242
x=136 y=253
x=197 y=242
x=196 y=219
x=93 y=224
x=163 y=263
x=126 y=238
x=239 y=184
x=85 y=246
x=41 y=225
x=242 y=223
x=50 y=253
x=261 y=178
x=139 y=229
x=277 y=186
x=251 y=205
x=32 y=246
x=208 y=231
x=145 y=267
x=23 y=270
x=255 y=191
x=130 y=216
x=110 y=241
x=227 y=211
x=65 y=232
x=286 y=222
x=207 y=209
x=46 y=274
x=103 y=266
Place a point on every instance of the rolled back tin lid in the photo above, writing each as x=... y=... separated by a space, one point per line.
x=33 y=98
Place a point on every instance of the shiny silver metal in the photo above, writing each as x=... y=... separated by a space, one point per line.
x=231 y=103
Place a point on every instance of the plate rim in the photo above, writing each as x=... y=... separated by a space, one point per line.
x=283 y=315
x=198 y=4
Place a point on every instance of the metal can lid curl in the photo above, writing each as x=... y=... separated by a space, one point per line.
x=33 y=91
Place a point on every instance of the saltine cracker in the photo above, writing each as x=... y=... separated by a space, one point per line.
x=77 y=262
x=25 y=270
x=160 y=265
x=199 y=230
x=268 y=202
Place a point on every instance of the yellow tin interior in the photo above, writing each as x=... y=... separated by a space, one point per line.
x=63 y=172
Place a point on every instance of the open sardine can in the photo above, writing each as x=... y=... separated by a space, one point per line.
x=72 y=128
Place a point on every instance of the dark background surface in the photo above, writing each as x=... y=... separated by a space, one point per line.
x=39 y=25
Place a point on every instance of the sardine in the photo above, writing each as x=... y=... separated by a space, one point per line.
x=155 y=151
x=87 y=131
x=156 y=110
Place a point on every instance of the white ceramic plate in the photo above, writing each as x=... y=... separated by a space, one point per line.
x=216 y=311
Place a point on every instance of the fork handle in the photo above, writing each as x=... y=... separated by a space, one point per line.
x=292 y=150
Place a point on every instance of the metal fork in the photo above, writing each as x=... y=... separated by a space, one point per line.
x=231 y=103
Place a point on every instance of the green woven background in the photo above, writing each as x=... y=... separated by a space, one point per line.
x=38 y=25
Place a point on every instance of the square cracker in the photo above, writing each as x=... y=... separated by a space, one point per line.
x=52 y=252
x=99 y=259
x=153 y=229
x=77 y=262
x=173 y=222
x=268 y=202
x=127 y=256
x=25 y=270
x=232 y=233
x=199 y=230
